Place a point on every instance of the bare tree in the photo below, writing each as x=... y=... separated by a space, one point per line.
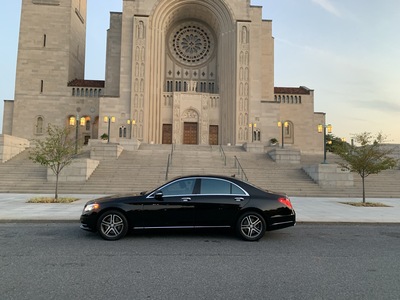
x=366 y=156
x=56 y=151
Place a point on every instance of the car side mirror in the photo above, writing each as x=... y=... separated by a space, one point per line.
x=158 y=195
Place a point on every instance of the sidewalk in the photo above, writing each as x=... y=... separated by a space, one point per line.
x=13 y=207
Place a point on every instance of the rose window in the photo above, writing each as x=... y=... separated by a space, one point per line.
x=191 y=44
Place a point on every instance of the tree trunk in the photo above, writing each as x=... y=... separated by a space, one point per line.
x=56 y=192
x=363 y=188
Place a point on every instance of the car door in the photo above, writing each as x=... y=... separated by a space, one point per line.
x=171 y=205
x=219 y=202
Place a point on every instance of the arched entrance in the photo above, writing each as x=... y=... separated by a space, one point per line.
x=192 y=47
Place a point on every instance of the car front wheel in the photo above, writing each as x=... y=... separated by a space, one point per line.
x=251 y=226
x=112 y=225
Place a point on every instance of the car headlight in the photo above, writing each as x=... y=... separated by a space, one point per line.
x=91 y=207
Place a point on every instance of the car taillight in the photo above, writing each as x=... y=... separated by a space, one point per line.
x=285 y=201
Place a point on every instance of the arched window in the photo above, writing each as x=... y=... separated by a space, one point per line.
x=72 y=121
x=289 y=133
x=39 y=125
x=122 y=132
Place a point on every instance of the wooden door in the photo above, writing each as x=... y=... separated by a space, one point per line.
x=213 y=135
x=167 y=134
x=190 y=133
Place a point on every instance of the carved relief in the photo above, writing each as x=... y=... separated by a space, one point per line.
x=139 y=74
x=245 y=37
x=137 y=70
x=137 y=53
x=190 y=114
x=142 y=54
x=140 y=30
x=242 y=104
x=192 y=86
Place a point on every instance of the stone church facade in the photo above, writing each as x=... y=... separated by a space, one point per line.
x=177 y=71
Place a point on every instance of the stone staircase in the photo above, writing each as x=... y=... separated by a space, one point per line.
x=198 y=160
x=146 y=168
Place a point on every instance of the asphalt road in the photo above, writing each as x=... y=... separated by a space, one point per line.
x=309 y=261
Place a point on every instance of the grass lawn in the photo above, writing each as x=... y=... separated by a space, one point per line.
x=52 y=200
x=366 y=204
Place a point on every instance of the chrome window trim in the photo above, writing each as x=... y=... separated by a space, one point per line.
x=151 y=195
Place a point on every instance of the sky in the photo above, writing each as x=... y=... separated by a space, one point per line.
x=347 y=51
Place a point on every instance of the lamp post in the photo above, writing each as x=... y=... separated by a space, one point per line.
x=283 y=125
x=131 y=122
x=252 y=126
x=109 y=120
x=323 y=128
x=76 y=121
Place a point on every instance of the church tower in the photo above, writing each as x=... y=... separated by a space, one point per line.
x=51 y=53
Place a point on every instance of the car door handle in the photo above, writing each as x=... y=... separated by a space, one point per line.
x=186 y=199
x=238 y=199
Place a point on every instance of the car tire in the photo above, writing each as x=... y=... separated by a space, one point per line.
x=250 y=226
x=112 y=225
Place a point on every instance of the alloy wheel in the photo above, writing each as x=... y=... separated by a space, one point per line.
x=112 y=225
x=251 y=226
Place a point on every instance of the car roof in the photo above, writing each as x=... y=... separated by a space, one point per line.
x=208 y=176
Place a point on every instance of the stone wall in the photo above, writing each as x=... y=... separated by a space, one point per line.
x=11 y=146
x=254 y=147
x=104 y=151
x=329 y=175
x=78 y=171
x=285 y=155
x=395 y=148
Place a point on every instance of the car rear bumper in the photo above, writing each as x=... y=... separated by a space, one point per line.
x=279 y=222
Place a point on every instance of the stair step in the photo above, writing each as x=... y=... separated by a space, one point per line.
x=145 y=169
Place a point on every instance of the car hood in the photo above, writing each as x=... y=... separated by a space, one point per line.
x=117 y=198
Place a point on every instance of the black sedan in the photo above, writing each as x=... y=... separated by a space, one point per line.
x=192 y=202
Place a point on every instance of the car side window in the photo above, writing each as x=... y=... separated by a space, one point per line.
x=219 y=187
x=179 y=187
x=237 y=190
